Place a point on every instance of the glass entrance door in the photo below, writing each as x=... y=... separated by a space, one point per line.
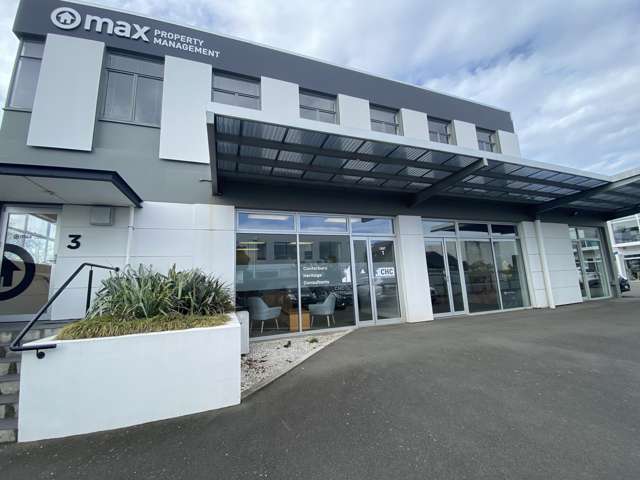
x=480 y=276
x=28 y=246
x=591 y=268
x=376 y=280
x=444 y=276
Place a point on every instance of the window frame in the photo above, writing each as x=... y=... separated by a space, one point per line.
x=106 y=68
x=317 y=110
x=493 y=145
x=14 y=71
x=235 y=76
x=447 y=125
x=396 y=124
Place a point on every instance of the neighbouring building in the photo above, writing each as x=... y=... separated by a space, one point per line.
x=325 y=196
x=626 y=245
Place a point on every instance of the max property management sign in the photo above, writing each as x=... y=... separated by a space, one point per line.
x=113 y=28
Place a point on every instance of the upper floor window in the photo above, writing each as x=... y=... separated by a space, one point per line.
x=25 y=78
x=236 y=90
x=626 y=231
x=486 y=140
x=317 y=106
x=133 y=90
x=439 y=130
x=384 y=120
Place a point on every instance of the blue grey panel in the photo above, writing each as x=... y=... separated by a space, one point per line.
x=407 y=153
x=359 y=165
x=305 y=137
x=254 y=169
x=345 y=144
x=389 y=168
x=329 y=162
x=317 y=176
x=287 y=172
x=264 y=131
x=249 y=151
x=230 y=126
x=376 y=148
x=294 y=157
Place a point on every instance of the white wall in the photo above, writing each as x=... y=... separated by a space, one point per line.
x=562 y=269
x=508 y=143
x=280 y=100
x=186 y=91
x=354 y=112
x=464 y=134
x=413 y=279
x=64 y=109
x=91 y=385
x=190 y=236
x=414 y=124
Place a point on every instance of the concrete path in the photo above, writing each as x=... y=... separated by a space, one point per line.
x=529 y=395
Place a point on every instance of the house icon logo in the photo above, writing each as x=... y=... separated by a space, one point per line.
x=66 y=18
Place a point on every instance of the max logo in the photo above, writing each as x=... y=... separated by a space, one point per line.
x=67 y=18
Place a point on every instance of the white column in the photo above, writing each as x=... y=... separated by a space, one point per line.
x=508 y=143
x=412 y=270
x=64 y=109
x=464 y=134
x=354 y=112
x=545 y=265
x=186 y=92
x=280 y=100
x=414 y=124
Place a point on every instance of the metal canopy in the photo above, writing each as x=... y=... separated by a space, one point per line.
x=252 y=150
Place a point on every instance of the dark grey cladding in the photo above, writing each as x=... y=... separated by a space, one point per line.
x=34 y=18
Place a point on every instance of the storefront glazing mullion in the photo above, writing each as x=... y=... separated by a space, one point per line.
x=321 y=250
x=490 y=259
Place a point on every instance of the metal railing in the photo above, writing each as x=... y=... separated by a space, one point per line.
x=15 y=344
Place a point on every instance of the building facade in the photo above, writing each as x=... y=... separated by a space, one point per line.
x=326 y=197
x=626 y=246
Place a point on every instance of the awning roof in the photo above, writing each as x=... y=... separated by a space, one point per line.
x=42 y=184
x=250 y=149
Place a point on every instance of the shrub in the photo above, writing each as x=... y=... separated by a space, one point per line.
x=112 y=327
x=143 y=293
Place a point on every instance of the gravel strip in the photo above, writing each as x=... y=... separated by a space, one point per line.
x=269 y=359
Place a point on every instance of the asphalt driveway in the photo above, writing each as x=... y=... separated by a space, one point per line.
x=537 y=394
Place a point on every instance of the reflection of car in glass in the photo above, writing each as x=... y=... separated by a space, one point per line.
x=625 y=286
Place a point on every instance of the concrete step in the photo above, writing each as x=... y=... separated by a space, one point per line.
x=8 y=430
x=10 y=364
x=9 y=406
x=9 y=399
x=9 y=384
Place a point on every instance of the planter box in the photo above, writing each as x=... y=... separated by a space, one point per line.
x=99 y=384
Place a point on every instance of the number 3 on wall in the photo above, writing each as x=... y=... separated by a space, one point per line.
x=74 y=242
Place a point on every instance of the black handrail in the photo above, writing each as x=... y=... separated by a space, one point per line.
x=15 y=344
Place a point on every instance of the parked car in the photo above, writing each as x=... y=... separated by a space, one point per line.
x=625 y=286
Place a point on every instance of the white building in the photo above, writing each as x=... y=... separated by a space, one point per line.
x=327 y=197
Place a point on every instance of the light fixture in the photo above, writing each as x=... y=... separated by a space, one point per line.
x=263 y=216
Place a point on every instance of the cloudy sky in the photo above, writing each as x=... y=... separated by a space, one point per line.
x=568 y=71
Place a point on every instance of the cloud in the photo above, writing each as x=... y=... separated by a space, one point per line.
x=568 y=71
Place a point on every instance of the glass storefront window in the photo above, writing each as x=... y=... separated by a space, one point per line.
x=590 y=262
x=266 y=221
x=626 y=231
x=473 y=229
x=385 y=283
x=27 y=259
x=439 y=228
x=370 y=225
x=498 y=230
x=511 y=276
x=267 y=282
x=480 y=276
x=320 y=223
x=325 y=281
